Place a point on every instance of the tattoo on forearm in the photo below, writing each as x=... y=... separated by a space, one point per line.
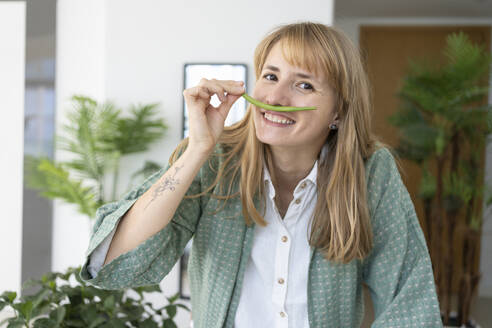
x=169 y=183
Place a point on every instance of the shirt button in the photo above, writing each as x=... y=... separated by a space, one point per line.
x=303 y=185
x=282 y=314
x=284 y=239
x=280 y=280
x=298 y=200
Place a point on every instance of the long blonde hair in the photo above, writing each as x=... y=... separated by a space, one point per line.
x=340 y=226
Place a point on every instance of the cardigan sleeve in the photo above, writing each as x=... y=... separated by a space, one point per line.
x=154 y=258
x=398 y=271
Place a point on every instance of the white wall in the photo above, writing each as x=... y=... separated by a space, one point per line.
x=351 y=26
x=12 y=61
x=134 y=52
x=80 y=46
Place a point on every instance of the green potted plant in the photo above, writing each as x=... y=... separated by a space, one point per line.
x=97 y=136
x=443 y=124
x=64 y=300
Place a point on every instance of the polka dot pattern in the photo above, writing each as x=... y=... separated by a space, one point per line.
x=398 y=271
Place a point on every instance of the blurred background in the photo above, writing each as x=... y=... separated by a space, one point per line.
x=130 y=55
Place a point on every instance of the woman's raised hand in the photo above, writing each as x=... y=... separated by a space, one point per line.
x=206 y=122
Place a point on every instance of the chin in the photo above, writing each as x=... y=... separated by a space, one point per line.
x=272 y=141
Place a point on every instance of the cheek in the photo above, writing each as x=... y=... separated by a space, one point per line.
x=316 y=124
x=324 y=116
x=255 y=116
x=256 y=120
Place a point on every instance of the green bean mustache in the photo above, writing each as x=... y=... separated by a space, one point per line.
x=274 y=108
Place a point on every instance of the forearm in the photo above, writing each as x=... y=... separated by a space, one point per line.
x=155 y=208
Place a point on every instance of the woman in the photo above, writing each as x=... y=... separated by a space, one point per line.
x=290 y=213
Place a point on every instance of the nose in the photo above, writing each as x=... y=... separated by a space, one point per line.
x=278 y=95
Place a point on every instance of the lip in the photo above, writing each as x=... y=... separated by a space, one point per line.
x=263 y=111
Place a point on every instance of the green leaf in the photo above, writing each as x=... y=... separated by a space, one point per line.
x=168 y=323
x=109 y=303
x=42 y=308
x=148 y=323
x=8 y=296
x=183 y=307
x=440 y=142
x=89 y=313
x=173 y=298
x=86 y=136
x=148 y=289
x=54 y=182
x=40 y=297
x=58 y=314
x=476 y=223
x=171 y=311
x=74 y=323
x=427 y=188
x=133 y=312
x=136 y=133
x=16 y=323
x=25 y=309
x=45 y=323
x=117 y=323
x=97 y=321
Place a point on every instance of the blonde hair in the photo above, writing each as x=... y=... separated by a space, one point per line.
x=340 y=226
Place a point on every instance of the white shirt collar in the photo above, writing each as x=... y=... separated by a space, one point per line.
x=310 y=178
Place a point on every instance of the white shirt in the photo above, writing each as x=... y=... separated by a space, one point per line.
x=280 y=251
x=274 y=291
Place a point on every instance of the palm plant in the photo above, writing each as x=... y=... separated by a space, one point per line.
x=97 y=137
x=443 y=127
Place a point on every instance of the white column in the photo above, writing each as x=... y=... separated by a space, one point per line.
x=80 y=56
x=12 y=65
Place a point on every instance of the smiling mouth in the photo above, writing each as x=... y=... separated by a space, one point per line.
x=279 y=119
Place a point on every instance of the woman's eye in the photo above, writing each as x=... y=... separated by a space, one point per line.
x=273 y=77
x=308 y=86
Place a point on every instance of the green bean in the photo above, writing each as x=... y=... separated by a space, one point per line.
x=274 y=108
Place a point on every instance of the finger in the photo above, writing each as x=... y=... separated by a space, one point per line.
x=229 y=83
x=212 y=87
x=226 y=106
x=220 y=87
x=233 y=87
x=215 y=88
x=196 y=92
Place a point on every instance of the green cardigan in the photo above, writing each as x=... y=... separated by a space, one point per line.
x=398 y=270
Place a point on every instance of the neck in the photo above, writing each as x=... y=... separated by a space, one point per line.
x=291 y=167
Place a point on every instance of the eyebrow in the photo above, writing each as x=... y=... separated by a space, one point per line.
x=302 y=75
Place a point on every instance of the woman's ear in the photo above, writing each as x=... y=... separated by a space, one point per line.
x=336 y=121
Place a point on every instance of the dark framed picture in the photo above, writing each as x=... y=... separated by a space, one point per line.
x=194 y=72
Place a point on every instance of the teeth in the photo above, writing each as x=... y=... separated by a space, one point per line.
x=277 y=119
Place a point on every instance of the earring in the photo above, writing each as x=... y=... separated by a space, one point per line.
x=333 y=126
